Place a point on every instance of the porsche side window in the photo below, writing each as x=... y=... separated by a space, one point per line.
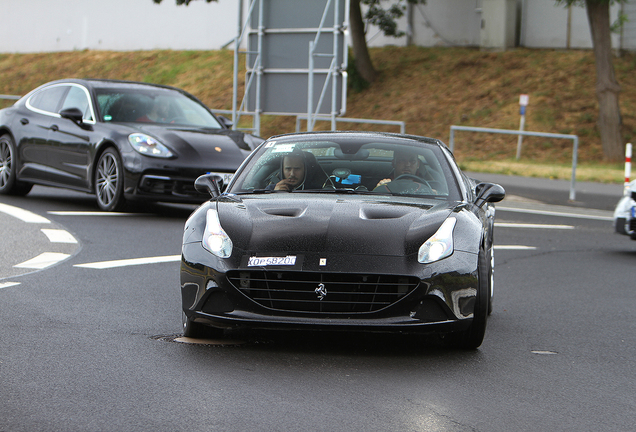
x=48 y=99
x=76 y=98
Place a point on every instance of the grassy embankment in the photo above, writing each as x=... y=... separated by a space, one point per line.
x=428 y=88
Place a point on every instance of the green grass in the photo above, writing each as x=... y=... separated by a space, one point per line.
x=429 y=89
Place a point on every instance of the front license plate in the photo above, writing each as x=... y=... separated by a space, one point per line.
x=633 y=212
x=288 y=260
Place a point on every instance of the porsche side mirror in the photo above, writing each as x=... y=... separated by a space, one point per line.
x=73 y=114
x=489 y=192
x=226 y=121
x=209 y=183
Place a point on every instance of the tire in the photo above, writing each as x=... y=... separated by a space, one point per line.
x=196 y=330
x=109 y=181
x=474 y=335
x=9 y=185
x=491 y=279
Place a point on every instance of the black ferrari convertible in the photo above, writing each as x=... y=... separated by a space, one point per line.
x=117 y=139
x=342 y=231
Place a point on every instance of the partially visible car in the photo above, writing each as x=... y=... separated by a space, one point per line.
x=355 y=244
x=120 y=140
x=625 y=212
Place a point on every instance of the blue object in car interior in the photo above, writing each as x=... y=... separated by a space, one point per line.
x=351 y=180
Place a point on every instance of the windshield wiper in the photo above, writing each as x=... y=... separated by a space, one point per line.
x=255 y=191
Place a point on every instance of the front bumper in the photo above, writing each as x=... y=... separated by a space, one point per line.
x=407 y=297
x=625 y=216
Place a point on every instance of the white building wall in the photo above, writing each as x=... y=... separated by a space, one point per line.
x=545 y=25
x=118 y=25
x=128 y=25
x=436 y=23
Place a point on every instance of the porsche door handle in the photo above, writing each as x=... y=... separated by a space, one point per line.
x=24 y=121
x=54 y=128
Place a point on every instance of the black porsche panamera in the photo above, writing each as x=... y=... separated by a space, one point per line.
x=374 y=232
x=120 y=140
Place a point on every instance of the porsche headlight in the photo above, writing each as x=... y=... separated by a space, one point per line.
x=215 y=239
x=440 y=245
x=148 y=146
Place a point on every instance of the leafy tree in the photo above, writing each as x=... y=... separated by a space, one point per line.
x=385 y=19
x=607 y=87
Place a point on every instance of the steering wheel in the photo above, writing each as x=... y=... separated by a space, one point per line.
x=412 y=177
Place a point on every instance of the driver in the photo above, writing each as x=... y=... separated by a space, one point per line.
x=404 y=162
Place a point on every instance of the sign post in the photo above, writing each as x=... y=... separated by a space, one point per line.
x=523 y=103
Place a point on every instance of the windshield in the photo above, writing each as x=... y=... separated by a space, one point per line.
x=390 y=167
x=153 y=105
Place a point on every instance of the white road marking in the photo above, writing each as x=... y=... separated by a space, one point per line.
x=540 y=352
x=59 y=236
x=90 y=213
x=43 y=260
x=554 y=213
x=23 y=215
x=513 y=247
x=536 y=226
x=8 y=284
x=130 y=262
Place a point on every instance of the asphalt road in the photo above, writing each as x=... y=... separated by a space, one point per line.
x=90 y=343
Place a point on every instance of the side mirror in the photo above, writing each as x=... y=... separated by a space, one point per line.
x=73 y=114
x=209 y=183
x=226 y=121
x=489 y=192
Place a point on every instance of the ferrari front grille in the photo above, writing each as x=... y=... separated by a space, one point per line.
x=327 y=293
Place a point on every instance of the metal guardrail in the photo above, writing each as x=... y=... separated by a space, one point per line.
x=400 y=124
x=574 y=138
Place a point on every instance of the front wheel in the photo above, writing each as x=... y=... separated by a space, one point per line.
x=196 y=330
x=474 y=335
x=109 y=181
x=9 y=185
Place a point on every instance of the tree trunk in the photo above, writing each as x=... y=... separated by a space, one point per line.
x=607 y=88
x=364 y=66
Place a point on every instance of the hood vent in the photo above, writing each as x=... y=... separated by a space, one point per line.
x=284 y=211
x=386 y=212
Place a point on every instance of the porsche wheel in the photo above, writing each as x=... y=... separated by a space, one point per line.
x=8 y=183
x=109 y=181
x=474 y=336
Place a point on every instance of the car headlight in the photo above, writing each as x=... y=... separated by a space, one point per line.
x=148 y=146
x=440 y=245
x=215 y=239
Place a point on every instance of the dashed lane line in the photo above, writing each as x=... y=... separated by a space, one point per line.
x=129 y=262
x=555 y=213
x=532 y=226
x=91 y=213
x=8 y=284
x=59 y=236
x=23 y=215
x=44 y=260
x=513 y=247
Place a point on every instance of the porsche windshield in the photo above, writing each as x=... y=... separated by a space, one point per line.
x=390 y=168
x=158 y=106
